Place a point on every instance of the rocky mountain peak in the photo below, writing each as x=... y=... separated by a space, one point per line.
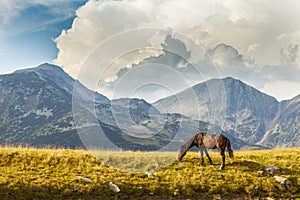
x=36 y=109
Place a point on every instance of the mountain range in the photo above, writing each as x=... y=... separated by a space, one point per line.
x=241 y=110
x=37 y=109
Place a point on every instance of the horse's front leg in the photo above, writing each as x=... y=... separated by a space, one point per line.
x=201 y=154
x=223 y=160
x=206 y=153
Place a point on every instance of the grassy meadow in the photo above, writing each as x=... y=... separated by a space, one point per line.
x=28 y=173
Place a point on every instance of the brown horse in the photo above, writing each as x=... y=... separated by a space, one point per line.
x=210 y=141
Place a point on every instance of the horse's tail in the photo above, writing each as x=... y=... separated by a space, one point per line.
x=229 y=148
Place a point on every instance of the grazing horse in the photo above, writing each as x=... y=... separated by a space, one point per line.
x=210 y=141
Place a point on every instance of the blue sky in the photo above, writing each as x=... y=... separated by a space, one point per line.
x=27 y=30
x=255 y=41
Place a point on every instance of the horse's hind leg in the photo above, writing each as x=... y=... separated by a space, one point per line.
x=222 y=152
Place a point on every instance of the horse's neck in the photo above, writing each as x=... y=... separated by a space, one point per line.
x=190 y=143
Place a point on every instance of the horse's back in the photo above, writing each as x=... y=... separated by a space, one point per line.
x=210 y=140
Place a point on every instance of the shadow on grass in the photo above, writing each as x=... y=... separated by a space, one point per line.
x=247 y=165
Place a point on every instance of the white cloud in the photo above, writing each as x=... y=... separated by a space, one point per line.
x=282 y=90
x=244 y=23
x=231 y=62
x=9 y=10
x=97 y=21
x=225 y=56
x=289 y=56
x=16 y=16
x=253 y=47
x=257 y=33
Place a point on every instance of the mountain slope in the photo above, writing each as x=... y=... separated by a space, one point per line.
x=30 y=103
x=36 y=109
x=285 y=129
x=239 y=109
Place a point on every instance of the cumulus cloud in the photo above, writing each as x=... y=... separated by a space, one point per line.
x=226 y=56
x=231 y=62
x=289 y=56
x=244 y=38
x=156 y=73
x=252 y=47
x=98 y=20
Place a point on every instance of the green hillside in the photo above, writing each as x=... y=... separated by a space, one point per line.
x=27 y=173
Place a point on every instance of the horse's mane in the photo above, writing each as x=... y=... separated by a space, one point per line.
x=189 y=143
x=186 y=146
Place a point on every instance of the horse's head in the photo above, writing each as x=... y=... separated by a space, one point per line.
x=181 y=153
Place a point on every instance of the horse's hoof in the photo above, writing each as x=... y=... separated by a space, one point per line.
x=221 y=168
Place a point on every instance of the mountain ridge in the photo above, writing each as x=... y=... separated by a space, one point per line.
x=36 y=109
x=241 y=109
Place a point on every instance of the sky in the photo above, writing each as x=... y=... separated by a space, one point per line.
x=28 y=28
x=156 y=48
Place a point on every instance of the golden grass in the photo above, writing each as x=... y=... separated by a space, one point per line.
x=129 y=161
x=27 y=173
